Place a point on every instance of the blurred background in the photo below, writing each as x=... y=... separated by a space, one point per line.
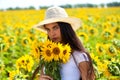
x=40 y=4
x=100 y=34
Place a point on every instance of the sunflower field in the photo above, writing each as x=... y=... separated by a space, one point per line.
x=100 y=34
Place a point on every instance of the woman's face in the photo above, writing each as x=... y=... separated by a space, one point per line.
x=53 y=31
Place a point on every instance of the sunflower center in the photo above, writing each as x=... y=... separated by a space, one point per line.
x=48 y=53
x=11 y=40
x=100 y=49
x=107 y=34
x=23 y=61
x=92 y=31
x=26 y=41
x=56 y=50
x=111 y=49
x=36 y=50
x=118 y=30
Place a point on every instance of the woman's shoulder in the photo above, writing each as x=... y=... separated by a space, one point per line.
x=80 y=56
x=79 y=53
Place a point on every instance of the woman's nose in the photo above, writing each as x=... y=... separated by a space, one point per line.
x=52 y=32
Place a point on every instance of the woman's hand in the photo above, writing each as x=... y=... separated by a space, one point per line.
x=45 y=77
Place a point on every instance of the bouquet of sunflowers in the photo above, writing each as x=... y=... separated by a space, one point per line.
x=52 y=55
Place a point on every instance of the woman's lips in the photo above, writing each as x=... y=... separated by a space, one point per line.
x=54 y=39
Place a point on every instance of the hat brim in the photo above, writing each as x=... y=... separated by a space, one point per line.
x=74 y=22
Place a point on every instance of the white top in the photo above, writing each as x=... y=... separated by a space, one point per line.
x=70 y=71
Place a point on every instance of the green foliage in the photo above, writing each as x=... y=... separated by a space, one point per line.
x=114 y=68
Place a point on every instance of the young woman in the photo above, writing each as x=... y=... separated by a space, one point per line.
x=61 y=28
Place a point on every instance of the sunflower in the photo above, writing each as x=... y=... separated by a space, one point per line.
x=3 y=38
x=4 y=46
x=103 y=68
x=100 y=48
x=92 y=31
x=25 y=62
x=107 y=34
x=106 y=25
x=18 y=64
x=116 y=43
x=25 y=41
x=20 y=31
x=32 y=36
x=83 y=36
x=57 y=51
x=116 y=29
x=36 y=49
x=12 y=75
x=66 y=53
x=29 y=62
x=12 y=40
x=106 y=71
x=46 y=54
x=111 y=50
x=85 y=26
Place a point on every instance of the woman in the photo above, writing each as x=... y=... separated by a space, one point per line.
x=61 y=28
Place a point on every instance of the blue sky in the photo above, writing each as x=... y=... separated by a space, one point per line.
x=36 y=3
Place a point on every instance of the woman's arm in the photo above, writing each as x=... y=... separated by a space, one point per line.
x=84 y=68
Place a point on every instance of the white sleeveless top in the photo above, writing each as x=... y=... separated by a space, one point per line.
x=70 y=71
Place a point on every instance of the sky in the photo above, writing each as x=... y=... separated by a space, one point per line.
x=4 y=4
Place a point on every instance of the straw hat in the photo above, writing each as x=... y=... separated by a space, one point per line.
x=58 y=14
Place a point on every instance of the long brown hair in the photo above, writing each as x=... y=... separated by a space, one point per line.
x=69 y=36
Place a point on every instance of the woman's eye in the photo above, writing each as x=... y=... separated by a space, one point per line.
x=56 y=27
x=47 y=30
